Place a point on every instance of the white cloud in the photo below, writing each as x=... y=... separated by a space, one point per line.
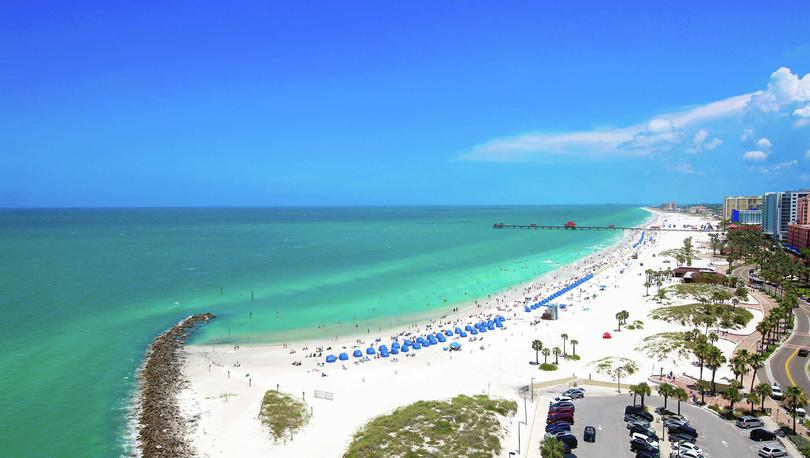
x=701 y=142
x=769 y=169
x=755 y=155
x=685 y=168
x=786 y=94
x=764 y=144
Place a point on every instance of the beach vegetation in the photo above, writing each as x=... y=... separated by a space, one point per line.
x=666 y=345
x=551 y=447
x=548 y=367
x=621 y=318
x=642 y=390
x=680 y=395
x=572 y=357
x=705 y=314
x=557 y=352
x=283 y=414
x=574 y=343
x=635 y=325
x=537 y=346
x=463 y=426
x=614 y=366
x=546 y=352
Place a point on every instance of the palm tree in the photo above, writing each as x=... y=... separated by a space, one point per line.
x=795 y=397
x=574 y=343
x=551 y=447
x=755 y=362
x=681 y=395
x=733 y=396
x=557 y=352
x=545 y=351
x=565 y=339
x=666 y=390
x=714 y=360
x=642 y=389
x=537 y=345
x=763 y=390
x=700 y=351
x=753 y=398
x=622 y=317
x=703 y=387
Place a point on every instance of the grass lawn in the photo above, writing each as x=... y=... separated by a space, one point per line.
x=463 y=426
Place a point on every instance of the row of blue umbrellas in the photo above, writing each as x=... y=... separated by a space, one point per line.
x=424 y=342
x=640 y=240
x=567 y=288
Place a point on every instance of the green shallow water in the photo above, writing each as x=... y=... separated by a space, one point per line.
x=83 y=292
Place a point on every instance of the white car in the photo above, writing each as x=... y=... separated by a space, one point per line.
x=776 y=391
x=687 y=447
x=769 y=451
x=644 y=438
x=801 y=412
x=686 y=454
x=562 y=398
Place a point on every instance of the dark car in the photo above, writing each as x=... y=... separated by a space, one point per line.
x=557 y=427
x=681 y=438
x=555 y=405
x=760 y=435
x=630 y=418
x=637 y=445
x=638 y=412
x=804 y=352
x=568 y=439
x=590 y=434
x=684 y=430
x=648 y=454
x=553 y=418
x=645 y=430
x=561 y=412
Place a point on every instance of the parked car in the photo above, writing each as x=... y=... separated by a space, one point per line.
x=747 y=421
x=562 y=404
x=566 y=417
x=641 y=445
x=760 y=435
x=630 y=417
x=771 y=450
x=563 y=409
x=648 y=454
x=574 y=393
x=651 y=440
x=590 y=434
x=637 y=421
x=685 y=430
x=568 y=439
x=675 y=422
x=557 y=427
x=801 y=412
x=804 y=352
x=681 y=437
x=686 y=454
x=562 y=398
x=686 y=447
x=776 y=391
x=645 y=430
x=639 y=412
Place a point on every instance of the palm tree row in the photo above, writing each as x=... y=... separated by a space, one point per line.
x=538 y=347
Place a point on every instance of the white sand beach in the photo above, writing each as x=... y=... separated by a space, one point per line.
x=227 y=384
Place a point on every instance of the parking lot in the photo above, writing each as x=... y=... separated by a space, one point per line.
x=605 y=412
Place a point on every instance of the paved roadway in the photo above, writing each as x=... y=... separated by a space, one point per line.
x=787 y=367
x=718 y=438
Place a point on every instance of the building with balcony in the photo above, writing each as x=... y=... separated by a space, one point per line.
x=740 y=203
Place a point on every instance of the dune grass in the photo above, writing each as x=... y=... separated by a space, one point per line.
x=282 y=414
x=727 y=316
x=463 y=426
x=548 y=367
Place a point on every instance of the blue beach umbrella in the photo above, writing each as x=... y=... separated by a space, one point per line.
x=525 y=309
x=417 y=346
x=474 y=332
x=384 y=354
x=394 y=351
x=462 y=334
x=458 y=330
x=499 y=324
x=383 y=348
x=468 y=328
x=370 y=351
x=455 y=345
x=441 y=338
x=343 y=357
x=405 y=349
x=357 y=353
x=330 y=358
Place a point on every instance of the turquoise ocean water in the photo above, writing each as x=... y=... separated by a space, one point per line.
x=83 y=292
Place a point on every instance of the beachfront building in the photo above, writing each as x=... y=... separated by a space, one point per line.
x=699 y=210
x=669 y=205
x=732 y=203
x=746 y=217
x=779 y=210
x=798 y=235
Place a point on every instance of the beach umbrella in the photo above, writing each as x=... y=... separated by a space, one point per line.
x=405 y=349
x=394 y=351
x=343 y=357
x=525 y=309
x=383 y=348
x=441 y=338
x=458 y=330
x=370 y=351
x=606 y=335
x=474 y=332
x=491 y=327
x=408 y=342
x=384 y=354
x=357 y=353
x=468 y=328
x=499 y=324
x=455 y=345
x=330 y=358
x=448 y=333
x=463 y=334
x=500 y=318
x=483 y=329
x=490 y=322
x=417 y=346
x=395 y=344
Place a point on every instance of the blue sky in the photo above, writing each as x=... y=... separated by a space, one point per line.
x=333 y=103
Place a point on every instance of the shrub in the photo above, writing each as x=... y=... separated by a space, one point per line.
x=548 y=367
x=282 y=414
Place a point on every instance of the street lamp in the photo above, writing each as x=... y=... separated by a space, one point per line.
x=520 y=423
x=531 y=387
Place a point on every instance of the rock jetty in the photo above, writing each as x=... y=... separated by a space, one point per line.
x=161 y=426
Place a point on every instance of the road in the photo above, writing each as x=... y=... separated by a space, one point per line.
x=787 y=367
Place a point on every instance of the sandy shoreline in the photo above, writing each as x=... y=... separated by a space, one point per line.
x=227 y=384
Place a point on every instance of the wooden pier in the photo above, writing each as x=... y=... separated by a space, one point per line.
x=573 y=227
